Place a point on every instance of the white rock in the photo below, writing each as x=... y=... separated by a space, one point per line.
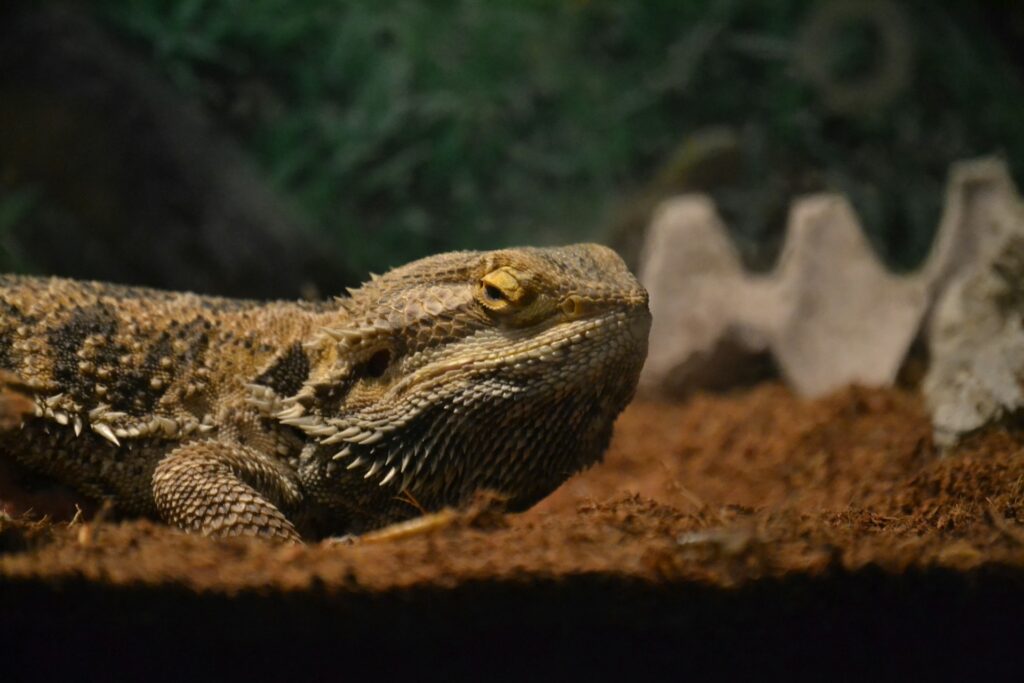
x=830 y=313
x=976 y=339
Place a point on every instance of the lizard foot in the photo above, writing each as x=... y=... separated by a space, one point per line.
x=225 y=489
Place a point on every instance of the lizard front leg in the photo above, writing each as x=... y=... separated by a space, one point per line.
x=225 y=489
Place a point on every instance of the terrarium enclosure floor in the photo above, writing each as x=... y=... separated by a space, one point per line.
x=737 y=532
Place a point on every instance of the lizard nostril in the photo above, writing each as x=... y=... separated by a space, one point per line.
x=572 y=306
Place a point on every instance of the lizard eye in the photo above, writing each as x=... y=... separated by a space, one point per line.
x=492 y=293
x=503 y=289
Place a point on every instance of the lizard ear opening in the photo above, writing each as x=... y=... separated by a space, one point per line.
x=378 y=363
x=374 y=365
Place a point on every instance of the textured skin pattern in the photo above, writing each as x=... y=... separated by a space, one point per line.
x=495 y=370
x=225 y=489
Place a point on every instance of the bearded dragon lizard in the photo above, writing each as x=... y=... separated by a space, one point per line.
x=499 y=370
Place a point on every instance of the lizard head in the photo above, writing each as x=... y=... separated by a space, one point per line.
x=499 y=370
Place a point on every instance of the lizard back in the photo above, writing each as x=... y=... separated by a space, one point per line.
x=499 y=370
x=123 y=374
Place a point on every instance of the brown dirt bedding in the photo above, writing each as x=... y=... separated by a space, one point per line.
x=744 y=533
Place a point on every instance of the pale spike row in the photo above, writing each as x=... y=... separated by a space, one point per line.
x=321 y=430
x=306 y=395
x=369 y=438
x=360 y=437
x=98 y=410
x=103 y=413
x=101 y=416
x=304 y=422
x=313 y=344
x=260 y=394
x=297 y=405
x=355 y=463
x=292 y=411
x=434 y=463
x=260 y=391
x=348 y=433
x=42 y=409
x=165 y=426
x=348 y=335
x=419 y=463
x=105 y=431
x=314 y=426
x=373 y=469
x=263 y=407
x=380 y=424
x=291 y=400
x=345 y=303
x=169 y=426
x=389 y=477
x=343 y=453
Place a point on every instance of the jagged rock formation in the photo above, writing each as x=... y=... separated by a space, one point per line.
x=829 y=314
x=977 y=339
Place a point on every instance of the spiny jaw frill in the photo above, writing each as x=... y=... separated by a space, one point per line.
x=500 y=370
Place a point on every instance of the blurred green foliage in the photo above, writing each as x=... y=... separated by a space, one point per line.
x=15 y=206
x=403 y=127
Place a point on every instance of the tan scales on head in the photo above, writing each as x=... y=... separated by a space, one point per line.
x=539 y=345
x=467 y=370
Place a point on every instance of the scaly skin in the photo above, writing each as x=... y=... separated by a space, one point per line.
x=497 y=370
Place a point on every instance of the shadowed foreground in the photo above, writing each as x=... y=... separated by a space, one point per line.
x=756 y=533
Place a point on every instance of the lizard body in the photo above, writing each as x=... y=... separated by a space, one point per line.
x=497 y=370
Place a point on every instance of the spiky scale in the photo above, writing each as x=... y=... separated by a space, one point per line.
x=106 y=432
x=419 y=373
x=390 y=475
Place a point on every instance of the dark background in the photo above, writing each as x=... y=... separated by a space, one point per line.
x=284 y=147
